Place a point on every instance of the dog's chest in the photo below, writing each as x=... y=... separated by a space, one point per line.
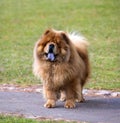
x=54 y=75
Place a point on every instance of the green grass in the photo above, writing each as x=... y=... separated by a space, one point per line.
x=23 y=21
x=10 y=119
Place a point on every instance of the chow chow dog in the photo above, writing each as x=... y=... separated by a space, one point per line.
x=62 y=63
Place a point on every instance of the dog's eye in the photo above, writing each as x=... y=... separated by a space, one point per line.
x=46 y=54
x=58 y=44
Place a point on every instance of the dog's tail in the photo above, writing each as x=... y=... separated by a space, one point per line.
x=78 y=40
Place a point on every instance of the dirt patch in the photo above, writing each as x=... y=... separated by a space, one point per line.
x=39 y=89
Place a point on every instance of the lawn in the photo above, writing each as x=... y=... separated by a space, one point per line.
x=10 y=119
x=23 y=21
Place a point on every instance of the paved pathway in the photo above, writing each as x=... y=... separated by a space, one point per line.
x=94 y=110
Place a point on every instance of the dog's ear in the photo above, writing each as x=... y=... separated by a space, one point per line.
x=65 y=37
x=47 y=31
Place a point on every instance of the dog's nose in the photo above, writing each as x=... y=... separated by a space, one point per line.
x=51 y=47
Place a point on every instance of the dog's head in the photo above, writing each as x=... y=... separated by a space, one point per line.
x=53 y=46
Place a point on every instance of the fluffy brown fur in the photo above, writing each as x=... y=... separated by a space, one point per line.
x=65 y=75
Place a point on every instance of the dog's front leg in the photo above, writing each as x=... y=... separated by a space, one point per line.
x=51 y=97
x=70 y=100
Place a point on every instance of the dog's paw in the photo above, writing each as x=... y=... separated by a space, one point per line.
x=80 y=100
x=50 y=104
x=69 y=104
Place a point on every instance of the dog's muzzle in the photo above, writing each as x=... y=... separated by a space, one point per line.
x=50 y=55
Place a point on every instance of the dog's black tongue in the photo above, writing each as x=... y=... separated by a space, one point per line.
x=51 y=56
